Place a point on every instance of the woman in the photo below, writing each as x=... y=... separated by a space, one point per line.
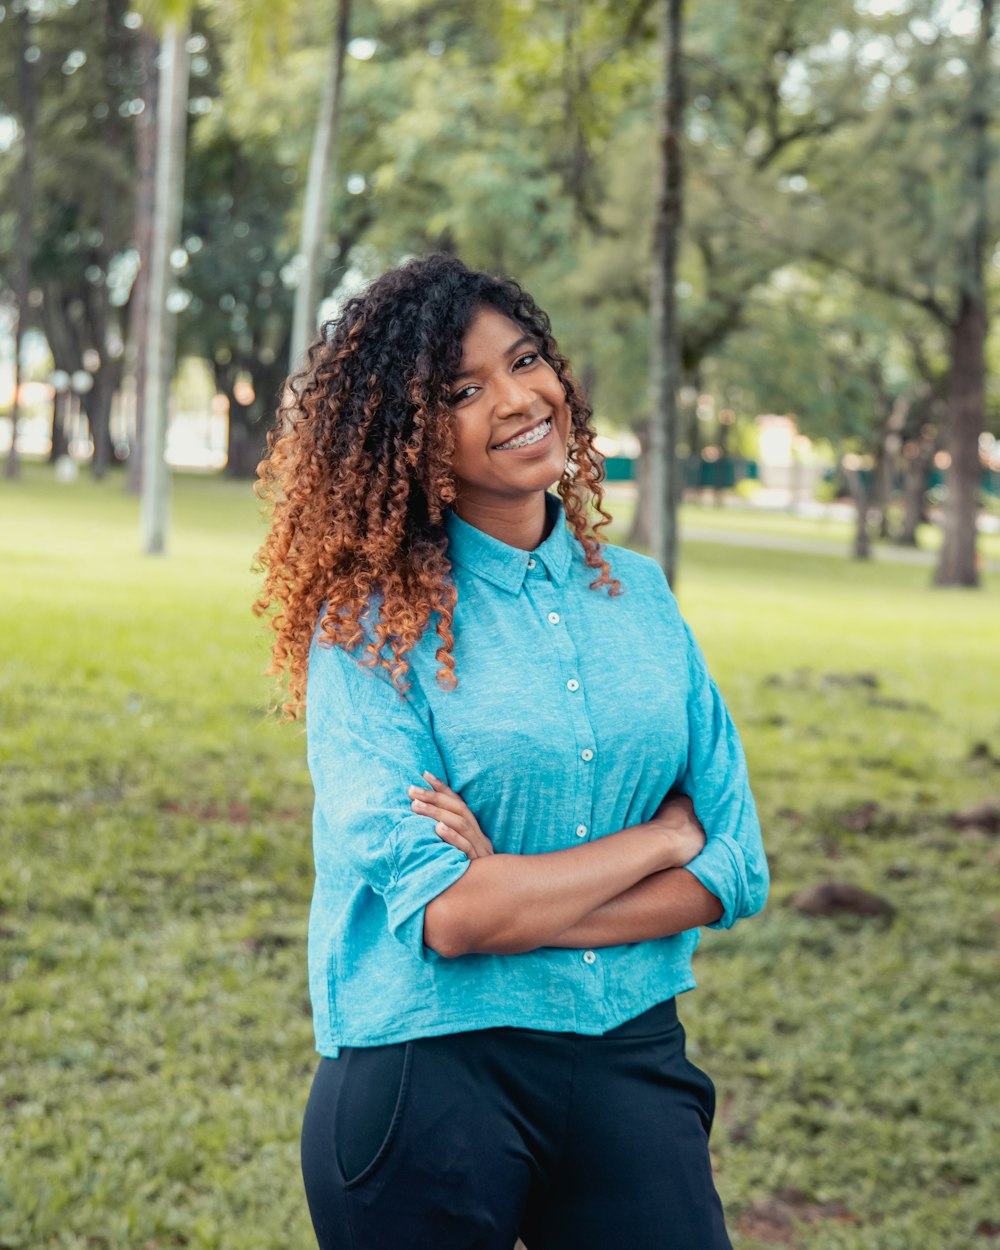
x=529 y=794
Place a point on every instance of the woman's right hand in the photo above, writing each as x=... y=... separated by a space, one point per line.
x=675 y=820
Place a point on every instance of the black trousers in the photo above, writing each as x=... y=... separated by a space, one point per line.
x=469 y=1141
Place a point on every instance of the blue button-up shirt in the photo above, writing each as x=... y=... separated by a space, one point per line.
x=575 y=713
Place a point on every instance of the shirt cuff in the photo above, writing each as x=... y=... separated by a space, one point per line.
x=720 y=867
x=425 y=869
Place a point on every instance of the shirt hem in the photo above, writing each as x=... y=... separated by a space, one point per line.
x=330 y=1048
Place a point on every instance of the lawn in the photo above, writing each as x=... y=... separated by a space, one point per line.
x=155 y=873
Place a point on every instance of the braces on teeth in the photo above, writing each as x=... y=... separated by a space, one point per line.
x=533 y=436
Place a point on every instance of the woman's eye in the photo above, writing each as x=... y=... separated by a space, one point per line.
x=527 y=359
x=456 y=397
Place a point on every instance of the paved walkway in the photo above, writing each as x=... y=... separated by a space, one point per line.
x=881 y=552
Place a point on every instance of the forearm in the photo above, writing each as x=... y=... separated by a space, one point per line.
x=504 y=904
x=660 y=905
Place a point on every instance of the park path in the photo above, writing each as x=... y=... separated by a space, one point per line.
x=810 y=546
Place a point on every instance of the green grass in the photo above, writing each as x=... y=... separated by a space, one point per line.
x=156 y=1047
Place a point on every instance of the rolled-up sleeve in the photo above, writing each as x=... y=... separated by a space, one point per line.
x=365 y=746
x=732 y=864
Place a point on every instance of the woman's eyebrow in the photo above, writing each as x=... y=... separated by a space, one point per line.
x=525 y=338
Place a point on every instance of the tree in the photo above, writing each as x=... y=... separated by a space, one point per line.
x=171 y=123
x=957 y=566
x=322 y=168
x=237 y=245
x=904 y=204
x=27 y=54
x=664 y=324
x=80 y=222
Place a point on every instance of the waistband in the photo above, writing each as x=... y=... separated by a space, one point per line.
x=658 y=1019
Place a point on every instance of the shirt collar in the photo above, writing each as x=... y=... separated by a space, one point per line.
x=506 y=566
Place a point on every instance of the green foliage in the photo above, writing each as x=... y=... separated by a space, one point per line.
x=155 y=870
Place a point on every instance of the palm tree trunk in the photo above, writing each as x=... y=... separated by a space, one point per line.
x=171 y=127
x=316 y=212
x=664 y=368
x=145 y=199
x=24 y=194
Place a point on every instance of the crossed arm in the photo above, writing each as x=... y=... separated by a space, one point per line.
x=630 y=886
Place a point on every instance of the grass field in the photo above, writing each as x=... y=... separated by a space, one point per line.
x=156 y=1046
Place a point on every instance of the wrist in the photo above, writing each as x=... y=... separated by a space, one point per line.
x=666 y=844
x=679 y=831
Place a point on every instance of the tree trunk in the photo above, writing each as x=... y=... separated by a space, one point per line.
x=957 y=563
x=665 y=355
x=249 y=423
x=862 y=489
x=171 y=132
x=890 y=442
x=24 y=195
x=862 y=538
x=62 y=332
x=145 y=152
x=917 y=458
x=60 y=440
x=316 y=212
x=641 y=531
x=97 y=405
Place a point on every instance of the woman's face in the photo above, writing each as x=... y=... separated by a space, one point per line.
x=512 y=419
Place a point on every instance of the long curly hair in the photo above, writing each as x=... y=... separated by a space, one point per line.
x=357 y=472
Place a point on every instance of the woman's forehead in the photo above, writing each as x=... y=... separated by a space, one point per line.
x=491 y=333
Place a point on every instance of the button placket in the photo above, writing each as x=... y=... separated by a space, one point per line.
x=553 y=604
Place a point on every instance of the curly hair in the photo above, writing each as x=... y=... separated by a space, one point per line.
x=357 y=472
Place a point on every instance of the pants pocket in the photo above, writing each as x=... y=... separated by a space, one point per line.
x=369 y=1108
x=704 y=1088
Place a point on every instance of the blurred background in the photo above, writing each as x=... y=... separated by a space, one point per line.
x=772 y=227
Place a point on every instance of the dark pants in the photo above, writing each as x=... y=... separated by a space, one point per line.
x=469 y=1141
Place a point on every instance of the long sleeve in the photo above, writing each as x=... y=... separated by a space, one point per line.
x=732 y=864
x=365 y=746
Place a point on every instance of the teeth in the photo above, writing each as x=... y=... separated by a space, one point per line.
x=525 y=440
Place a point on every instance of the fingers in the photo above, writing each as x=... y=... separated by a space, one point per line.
x=467 y=829
x=455 y=822
x=429 y=803
x=456 y=839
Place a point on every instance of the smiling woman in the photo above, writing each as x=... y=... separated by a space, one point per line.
x=529 y=794
x=512 y=425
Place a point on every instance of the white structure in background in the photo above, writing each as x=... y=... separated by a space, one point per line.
x=787 y=468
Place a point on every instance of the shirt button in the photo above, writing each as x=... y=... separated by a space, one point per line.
x=586 y=754
x=581 y=831
x=532 y=562
x=572 y=684
x=589 y=957
x=553 y=618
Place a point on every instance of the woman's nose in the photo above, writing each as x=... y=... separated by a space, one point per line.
x=512 y=395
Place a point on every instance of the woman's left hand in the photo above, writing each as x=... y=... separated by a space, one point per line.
x=454 y=823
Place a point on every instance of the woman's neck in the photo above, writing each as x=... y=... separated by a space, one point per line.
x=520 y=523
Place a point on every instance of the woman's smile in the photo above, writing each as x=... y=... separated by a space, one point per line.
x=532 y=438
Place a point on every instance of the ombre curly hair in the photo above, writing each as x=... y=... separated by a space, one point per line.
x=358 y=476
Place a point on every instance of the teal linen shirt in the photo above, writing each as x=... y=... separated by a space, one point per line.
x=575 y=714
